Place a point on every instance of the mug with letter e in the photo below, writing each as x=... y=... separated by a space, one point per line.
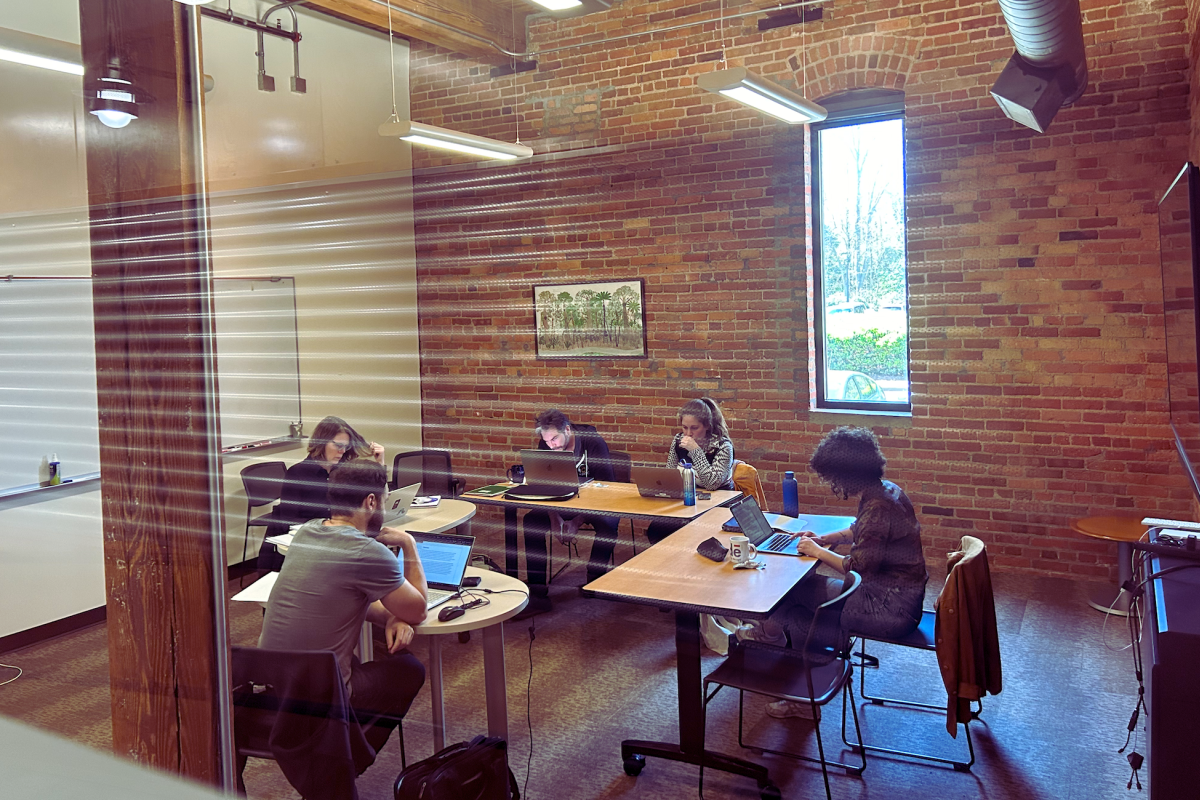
x=741 y=551
x=516 y=474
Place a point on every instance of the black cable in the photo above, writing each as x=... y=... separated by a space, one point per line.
x=528 y=707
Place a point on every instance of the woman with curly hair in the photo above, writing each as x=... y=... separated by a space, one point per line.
x=885 y=549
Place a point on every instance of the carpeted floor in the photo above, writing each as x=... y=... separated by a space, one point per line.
x=604 y=671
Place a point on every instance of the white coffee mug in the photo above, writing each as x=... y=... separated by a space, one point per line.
x=741 y=551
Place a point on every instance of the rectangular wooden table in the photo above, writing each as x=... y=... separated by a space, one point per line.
x=672 y=574
x=608 y=499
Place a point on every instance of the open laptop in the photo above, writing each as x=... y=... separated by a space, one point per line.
x=549 y=475
x=398 y=502
x=758 y=530
x=659 y=481
x=444 y=557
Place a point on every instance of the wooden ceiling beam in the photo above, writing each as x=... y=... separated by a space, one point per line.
x=483 y=18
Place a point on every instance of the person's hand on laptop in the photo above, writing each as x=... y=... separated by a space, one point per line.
x=399 y=635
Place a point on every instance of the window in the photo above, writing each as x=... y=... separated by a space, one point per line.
x=861 y=271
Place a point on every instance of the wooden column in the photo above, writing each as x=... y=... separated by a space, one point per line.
x=156 y=446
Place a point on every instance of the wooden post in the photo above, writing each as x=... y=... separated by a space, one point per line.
x=157 y=444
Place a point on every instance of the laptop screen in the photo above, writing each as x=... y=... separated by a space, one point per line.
x=444 y=557
x=751 y=520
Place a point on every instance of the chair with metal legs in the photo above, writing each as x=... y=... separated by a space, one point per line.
x=814 y=674
x=923 y=638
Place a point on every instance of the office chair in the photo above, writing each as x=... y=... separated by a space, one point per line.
x=814 y=674
x=746 y=481
x=290 y=706
x=431 y=468
x=263 y=483
x=924 y=638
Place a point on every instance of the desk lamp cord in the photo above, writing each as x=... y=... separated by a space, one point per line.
x=20 y=672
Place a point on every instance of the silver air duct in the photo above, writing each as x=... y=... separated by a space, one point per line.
x=1049 y=69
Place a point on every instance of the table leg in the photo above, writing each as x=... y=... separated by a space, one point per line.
x=510 y=542
x=495 y=681
x=1102 y=599
x=434 y=670
x=690 y=749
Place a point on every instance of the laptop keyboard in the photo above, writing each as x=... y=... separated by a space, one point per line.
x=435 y=596
x=777 y=542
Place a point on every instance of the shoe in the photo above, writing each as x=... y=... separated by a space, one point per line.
x=782 y=709
x=754 y=632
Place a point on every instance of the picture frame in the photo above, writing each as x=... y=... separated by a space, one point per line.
x=596 y=319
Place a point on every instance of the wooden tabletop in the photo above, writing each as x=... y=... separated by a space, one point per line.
x=620 y=500
x=510 y=596
x=672 y=573
x=1114 y=529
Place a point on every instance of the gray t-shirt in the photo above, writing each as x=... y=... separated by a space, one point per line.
x=332 y=573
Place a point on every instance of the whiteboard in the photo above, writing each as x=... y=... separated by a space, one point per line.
x=48 y=370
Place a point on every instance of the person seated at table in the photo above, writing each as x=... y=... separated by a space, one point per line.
x=704 y=441
x=592 y=460
x=885 y=550
x=340 y=572
x=333 y=441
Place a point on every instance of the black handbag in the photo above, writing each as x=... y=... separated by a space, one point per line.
x=474 y=770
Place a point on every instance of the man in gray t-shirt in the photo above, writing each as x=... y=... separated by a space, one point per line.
x=335 y=576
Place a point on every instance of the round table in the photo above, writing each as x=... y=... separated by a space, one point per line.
x=1123 y=531
x=490 y=618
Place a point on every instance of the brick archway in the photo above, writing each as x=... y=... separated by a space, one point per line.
x=869 y=61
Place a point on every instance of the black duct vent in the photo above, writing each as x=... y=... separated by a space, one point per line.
x=1049 y=69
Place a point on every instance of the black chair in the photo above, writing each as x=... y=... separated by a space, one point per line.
x=430 y=468
x=814 y=674
x=290 y=706
x=923 y=638
x=263 y=483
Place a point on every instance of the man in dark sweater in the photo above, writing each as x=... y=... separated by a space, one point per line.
x=556 y=432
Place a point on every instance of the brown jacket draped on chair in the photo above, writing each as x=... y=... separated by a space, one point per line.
x=968 y=645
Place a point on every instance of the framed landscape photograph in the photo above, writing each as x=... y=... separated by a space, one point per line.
x=605 y=319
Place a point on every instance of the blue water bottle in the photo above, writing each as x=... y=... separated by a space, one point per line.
x=689 y=484
x=791 y=495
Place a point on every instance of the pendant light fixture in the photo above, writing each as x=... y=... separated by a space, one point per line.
x=443 y=138
x=742 y=85
x=113 y=99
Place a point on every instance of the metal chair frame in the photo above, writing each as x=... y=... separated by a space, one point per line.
x=839 y=682
x=252 y=483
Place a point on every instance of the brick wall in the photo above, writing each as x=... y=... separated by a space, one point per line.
x=1037 y=357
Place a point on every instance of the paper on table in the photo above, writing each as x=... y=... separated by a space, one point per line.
x=282 y=540
x=430 y=501
x=259 y=591
x=785 y=524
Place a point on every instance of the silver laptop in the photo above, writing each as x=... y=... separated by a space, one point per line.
x=398 y=502
x=664 y=482
x=549 y=475
x=758 y=530
x=444 y=557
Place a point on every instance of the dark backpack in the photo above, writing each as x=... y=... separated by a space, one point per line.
x=474 y=770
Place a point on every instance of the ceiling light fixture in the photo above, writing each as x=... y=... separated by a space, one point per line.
x=739 y=83
x=443 y=138
x=557 y=5
x=113 y=99
x=19 y=47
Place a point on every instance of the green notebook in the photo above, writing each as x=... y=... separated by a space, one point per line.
x=490 y=491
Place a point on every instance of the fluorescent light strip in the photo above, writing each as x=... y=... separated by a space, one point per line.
x=446 y=139
x=557 y=5
x=765 y=104
x=739 y=83
x=29 y=59
x=417 y=138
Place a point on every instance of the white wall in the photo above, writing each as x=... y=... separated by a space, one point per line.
x=296 y=190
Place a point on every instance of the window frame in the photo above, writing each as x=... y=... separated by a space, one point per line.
x=854 y=108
